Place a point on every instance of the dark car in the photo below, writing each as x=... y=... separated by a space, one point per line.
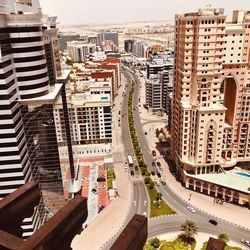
x=214 y=222
x=145 y=133
x=163 y=183
x=153 y=152
x=159 y=175
x=153 y=173
x=101 y=179
x=158 y=163
x=132 y=172
x=136 y=168
x=153 y=163
x=94 y=191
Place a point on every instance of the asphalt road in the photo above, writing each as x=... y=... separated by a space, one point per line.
x=140 y=200
x=172 y=223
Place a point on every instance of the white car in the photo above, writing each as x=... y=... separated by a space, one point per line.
x=144 y=214
x=191 y=209
x=246 y=242
x=158 y=183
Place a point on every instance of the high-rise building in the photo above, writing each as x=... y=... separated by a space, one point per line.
x=28 y=93
x=210 y=123
x=64 y=38
x=105 y=36
x=79 y=51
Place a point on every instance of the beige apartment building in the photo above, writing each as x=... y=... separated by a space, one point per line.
x=211 y=111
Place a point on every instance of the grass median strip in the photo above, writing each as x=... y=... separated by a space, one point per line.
x=157 y=205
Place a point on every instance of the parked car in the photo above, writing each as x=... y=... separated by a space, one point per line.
x=158 y=163
x=153 y=152
x=246 y=242
x=163 y=183
x=214 y=222
x=145 y=133
x=101 y=179
x=144 y=214
x=132 y=172
x=191 y=209
x=153 y=163
x=153 y=173
x=159 y=175
x=136 y=168
x=94 y=191
x=158 y=183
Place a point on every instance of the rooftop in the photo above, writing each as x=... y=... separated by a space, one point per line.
x=230 y=180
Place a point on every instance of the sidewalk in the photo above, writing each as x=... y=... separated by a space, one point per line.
x=228 y=212
x=111 y=221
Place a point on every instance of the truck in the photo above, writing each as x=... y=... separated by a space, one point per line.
x=130 y=161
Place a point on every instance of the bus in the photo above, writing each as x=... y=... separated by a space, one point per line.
x=130 y=161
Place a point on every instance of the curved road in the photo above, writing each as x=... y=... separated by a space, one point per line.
x=172 y=223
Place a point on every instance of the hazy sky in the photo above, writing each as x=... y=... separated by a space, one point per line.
x=117 y=11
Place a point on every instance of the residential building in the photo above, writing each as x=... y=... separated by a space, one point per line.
x=159 y=82
x=79 y=51
x=28 y=93
x=128 y=45
x=108 y=35
x=210 y=123
x=67 y=37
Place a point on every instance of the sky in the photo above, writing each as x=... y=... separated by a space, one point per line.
x=118 y=11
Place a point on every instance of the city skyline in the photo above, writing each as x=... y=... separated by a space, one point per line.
x=133 y=11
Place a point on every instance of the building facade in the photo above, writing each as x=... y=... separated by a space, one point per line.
x=210 y=123
x=28 y=92
x=79 y=51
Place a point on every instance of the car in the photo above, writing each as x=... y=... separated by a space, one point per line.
x=153 y=152
x=153 y=163
x=163 y=183
x=153 y=173
x=101 y=179
x=119 y=124
x=134 y=158
x=246 y=242
x=161 y=169
x=158 y=183
x=144 y=214
x=132 y=172
x=214 y=222
x=158 y=163
x=145 y=133
x=94 y=191
x=136 y=168
x=191 y=209
x=159 y=175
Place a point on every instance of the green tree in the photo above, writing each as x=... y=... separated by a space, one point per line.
x=155 y=242
x=224 y=237
x=158 y=196
x=189 y=229
x=151 y=185
x=146 y=180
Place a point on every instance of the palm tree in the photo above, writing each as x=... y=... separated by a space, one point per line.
x=189 y=229
x=155 y=242
x=224 y=237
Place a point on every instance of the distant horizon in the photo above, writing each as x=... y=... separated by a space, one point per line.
x=119 y=23
x=94 y=12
